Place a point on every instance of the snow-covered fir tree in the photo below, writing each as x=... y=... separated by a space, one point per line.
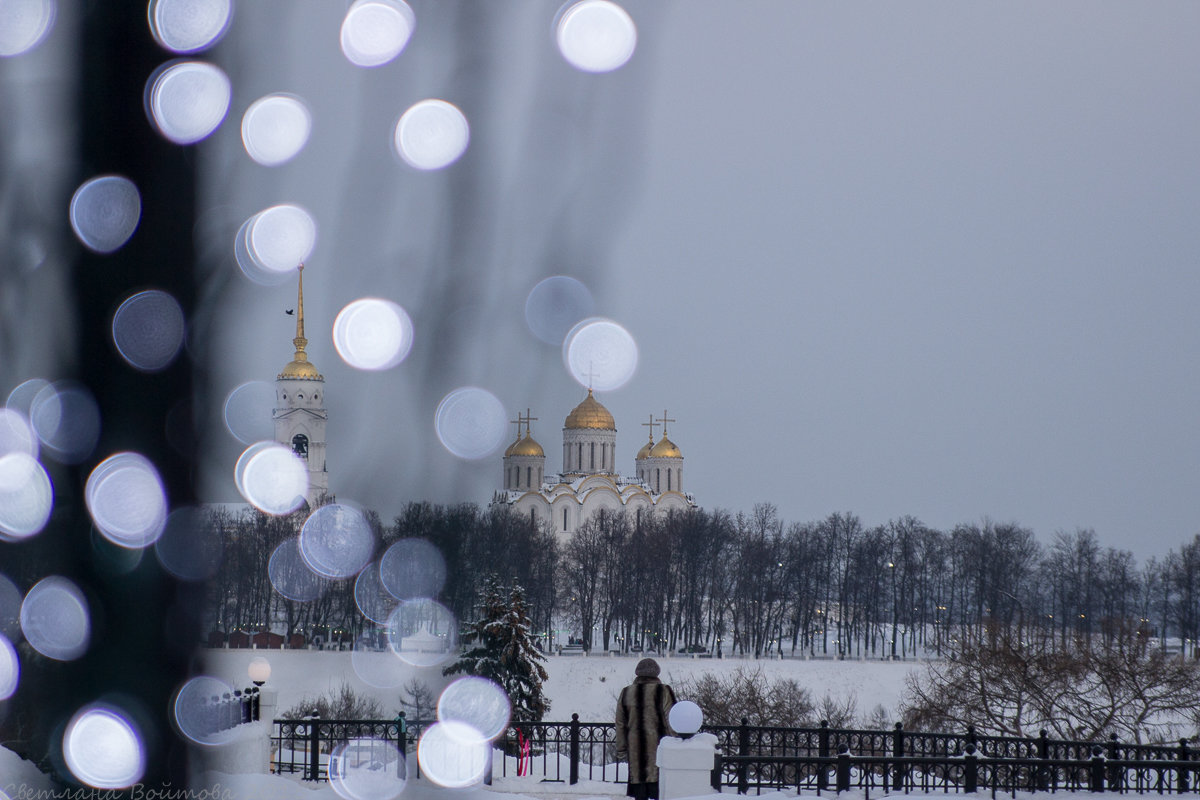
x=504 y=651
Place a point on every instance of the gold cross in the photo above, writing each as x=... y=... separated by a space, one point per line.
x=651 y=425
x=526 y=419
x=664 y=420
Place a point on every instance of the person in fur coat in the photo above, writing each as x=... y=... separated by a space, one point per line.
x=642 y=710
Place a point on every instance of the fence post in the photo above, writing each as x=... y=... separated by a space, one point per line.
x=897 y=753
x=823 y=752
x=314 y=748
x=716 y=773
x=743 y=770
x=402 y=745
x=1096 y=769
x=1115 y=774
x=843 y=769
x=970 y=768
x=574 y=749
x=1181 y=776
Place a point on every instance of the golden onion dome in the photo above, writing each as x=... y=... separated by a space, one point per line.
x=301 y=369
x=665 y=449
x=525 y=447
x=645 y=451
x=590 y=415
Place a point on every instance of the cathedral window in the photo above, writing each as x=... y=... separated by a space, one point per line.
x=592 y=461
x=564 y=520
x=658 y=480
x=603 y=456
x=300 y=445
x=528 y=477
x=579 y=463
x=539 y=476
x=668 y=480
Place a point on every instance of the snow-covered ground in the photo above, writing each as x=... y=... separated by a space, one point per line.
x=587 y=686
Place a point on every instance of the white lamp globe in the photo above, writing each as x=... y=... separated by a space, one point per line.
x=685 y=718
x=259 y=670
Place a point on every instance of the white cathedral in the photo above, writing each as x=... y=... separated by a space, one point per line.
x=589 y=480
x=299 y=412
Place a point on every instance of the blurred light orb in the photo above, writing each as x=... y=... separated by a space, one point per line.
x=423 y=633
x=432 y=134
x=452 y=754
x=372 y=598
x=373 y=666
x=600 y=354
x=412 y=568
x=188 y=26
x=22 y=396
x=147 y=330
x=275 y=128
x=66 y=418
x=479 y=703
x=10 y=668
x=685 y=717
x=259 y=670
x=555 y=305
x=127 y=500
x=105 y=212
x=24 y=24
x=290 y=576
x=189 y=548
x=16 y=434
x=596 y=35
x=192 y=711
x=248 y=412
x=187 y=100
x=103 y=748
x=367 y=769
x=281 y=238
x=10 y=609
x=271 y=478
x=26 y=497
x=471 y=423
x=54 y=619
x=376 y=31
x=373 y=334
x=336 y=541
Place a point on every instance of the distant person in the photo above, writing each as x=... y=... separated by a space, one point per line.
x=642 y=711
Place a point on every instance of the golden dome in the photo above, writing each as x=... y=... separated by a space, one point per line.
x=645 y=451
x=300 y=367
x=525 y=447
x=665 y=449
x=304 y=370
x=591 y=415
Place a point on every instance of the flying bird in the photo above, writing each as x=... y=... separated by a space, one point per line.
x=290 y=311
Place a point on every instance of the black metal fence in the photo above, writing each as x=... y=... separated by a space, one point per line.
x=757 y=758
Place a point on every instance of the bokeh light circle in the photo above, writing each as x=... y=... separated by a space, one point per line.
x=477 y=702
x=372 y=334
x=412 y=568
x=103 y=748
x=374 y=664
x=422 y=633
x=555 y=305
x=373 y=599
x=275 y=128
x=471 y=423
x=600 y=354
x=685 y=717
x=10 y=668
x=367 y=769
x=376 y=31
x=26 y=497
x=271 y=477
x=148 y=329
x=432 y=134
x=596 y=35
x=187 y=100
x=249 y=412
x=55 y=620
x=66 y=418
x=281 y=238
x=188 y=26
x=336 y=541
x=22 y=396
x=24 y=24
x=190 y=548
x=105 y=212
x=291 y=576
x=16 y=434
x=452 y=754
x=127 y=501
x=194 y=711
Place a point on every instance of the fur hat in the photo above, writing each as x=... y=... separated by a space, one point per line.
x=646 y=668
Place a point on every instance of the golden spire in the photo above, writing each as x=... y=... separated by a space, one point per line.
x=300 y=367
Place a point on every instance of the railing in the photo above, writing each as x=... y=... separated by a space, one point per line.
x=222 y=712
x=814 y=759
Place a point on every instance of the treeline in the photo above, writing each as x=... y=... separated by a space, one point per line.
x=751 y=584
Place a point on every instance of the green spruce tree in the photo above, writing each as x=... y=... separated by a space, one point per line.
x=504 y=651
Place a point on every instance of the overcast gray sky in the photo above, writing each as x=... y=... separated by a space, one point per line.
x=936 y=259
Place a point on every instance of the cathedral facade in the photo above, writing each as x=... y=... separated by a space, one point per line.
x=590 y=480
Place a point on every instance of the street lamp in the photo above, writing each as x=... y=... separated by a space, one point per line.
x=685 y=718
x=259 y=670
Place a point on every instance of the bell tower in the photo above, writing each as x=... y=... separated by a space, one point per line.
x=300 y=413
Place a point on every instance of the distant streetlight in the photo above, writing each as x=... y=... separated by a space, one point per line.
x=685 y=718
x=259 y=670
